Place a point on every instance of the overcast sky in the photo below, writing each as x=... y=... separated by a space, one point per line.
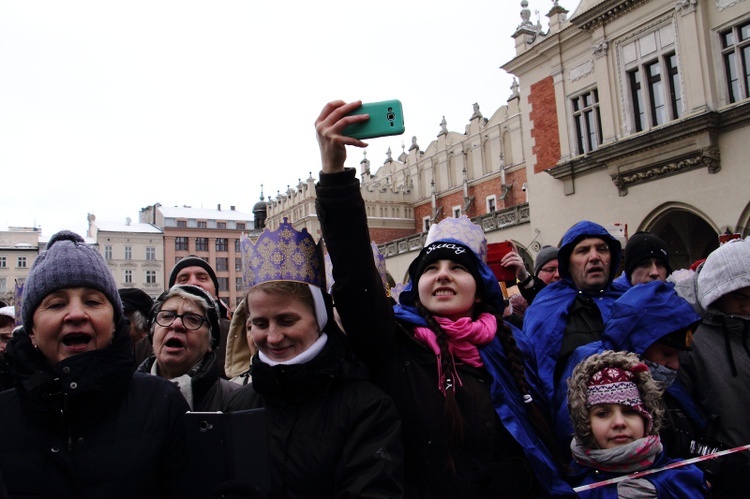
x=109 y=106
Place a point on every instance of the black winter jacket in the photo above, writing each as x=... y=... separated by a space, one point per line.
x=90 y=428
x=210 y=392
x=485 y=458
x=332 y=433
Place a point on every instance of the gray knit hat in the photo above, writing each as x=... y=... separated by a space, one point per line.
x=546 y=254
x=68 y=262
x=726 y=269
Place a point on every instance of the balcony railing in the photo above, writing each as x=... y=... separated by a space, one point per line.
x=490 y=222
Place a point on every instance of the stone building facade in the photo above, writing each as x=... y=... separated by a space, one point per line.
x=634 y=114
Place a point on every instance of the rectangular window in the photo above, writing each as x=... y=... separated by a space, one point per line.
x=150 y=277
x=636 y=95
x=656 y=94
x=128 y=253
x=182 y=224
x=425 y=224
x=735 y=50
x=238 y=283
x=128 y=277
x=3 y=284
x=221 y=244
x=240 y=226
x=221 y=225
x=675 y=84
x=202 y=225
x=3 y=262
x=456 y=211
x=237 y=245
x=21 y=262
x=491 y=204
x=587 y=121
x=108 y=252
x=238 y=264
x=150 y=253
x=658 y=83
x=201 y=244
x=223 y=283
x=180 y=243
x=222 y=264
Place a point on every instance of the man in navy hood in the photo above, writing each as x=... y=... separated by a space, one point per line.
x=572 y=312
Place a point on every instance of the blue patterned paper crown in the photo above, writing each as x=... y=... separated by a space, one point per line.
x=285 y=254
x=379 y=264
x=462 y=229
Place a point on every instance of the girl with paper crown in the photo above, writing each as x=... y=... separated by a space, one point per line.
x=443 y=353
x=332 y=432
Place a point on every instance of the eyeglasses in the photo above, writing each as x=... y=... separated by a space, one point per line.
x=549 y=270
x=191 y=321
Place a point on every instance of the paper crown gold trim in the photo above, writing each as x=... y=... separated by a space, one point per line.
x=285 y=254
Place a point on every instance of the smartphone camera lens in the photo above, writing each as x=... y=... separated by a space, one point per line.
x=391 y=116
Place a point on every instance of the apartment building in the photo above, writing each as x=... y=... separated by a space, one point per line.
x=212 y=234
x=134 y=252
x=19 y=247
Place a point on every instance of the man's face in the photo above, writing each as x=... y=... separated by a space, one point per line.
x=6 y=331
x=736 y=302
x=590 y=263
x=550 y=272
x=647 y=270
x=197 y=276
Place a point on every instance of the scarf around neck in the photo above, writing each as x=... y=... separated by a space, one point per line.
x=463 y=337
x=635 y=456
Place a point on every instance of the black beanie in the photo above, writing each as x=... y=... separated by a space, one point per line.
x=136 y=299
x=193 y=261
x=644 y=245
x=445 y=250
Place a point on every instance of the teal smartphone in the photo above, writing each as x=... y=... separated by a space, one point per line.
x=386 y=118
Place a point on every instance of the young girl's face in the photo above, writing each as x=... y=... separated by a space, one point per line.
x=614 y=424
x=447 y=289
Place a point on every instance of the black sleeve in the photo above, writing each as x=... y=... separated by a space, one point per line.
x=530 y=293
x=366 y=312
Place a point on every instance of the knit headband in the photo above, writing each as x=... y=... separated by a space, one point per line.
x=613 y=385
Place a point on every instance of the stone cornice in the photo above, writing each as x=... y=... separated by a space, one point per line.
x=604 y=13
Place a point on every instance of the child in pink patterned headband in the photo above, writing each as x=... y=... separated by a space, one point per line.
x=615 y=407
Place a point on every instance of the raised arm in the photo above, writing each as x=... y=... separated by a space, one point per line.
x=365 y=311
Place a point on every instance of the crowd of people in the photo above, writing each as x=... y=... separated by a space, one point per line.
x=592 y=384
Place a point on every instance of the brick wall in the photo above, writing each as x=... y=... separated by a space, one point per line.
x=544 y=129
x=382 y=236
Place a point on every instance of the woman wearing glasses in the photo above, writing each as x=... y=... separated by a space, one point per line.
x=184 y=333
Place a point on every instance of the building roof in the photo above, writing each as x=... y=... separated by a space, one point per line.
x=124 y=227
x=204 y=214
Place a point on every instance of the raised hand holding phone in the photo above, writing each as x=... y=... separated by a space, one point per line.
x=386 y=118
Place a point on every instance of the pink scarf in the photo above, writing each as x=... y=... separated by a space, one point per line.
x=463 y=337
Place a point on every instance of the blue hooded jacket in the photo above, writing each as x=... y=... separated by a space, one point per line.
x=640 y=317
x=685 y=481
x=545 y=319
